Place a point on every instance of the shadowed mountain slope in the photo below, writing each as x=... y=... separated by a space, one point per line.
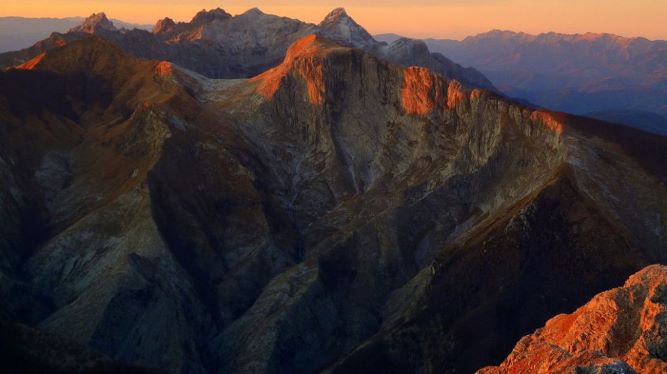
x=22 y=32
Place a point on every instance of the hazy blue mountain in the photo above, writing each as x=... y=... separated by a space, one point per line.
x=578 y=73
x=644 y=120
x=22 y=32
x=387 y=38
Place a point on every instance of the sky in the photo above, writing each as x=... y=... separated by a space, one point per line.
x=417 y=18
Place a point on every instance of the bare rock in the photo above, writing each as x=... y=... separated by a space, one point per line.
x=618 y=331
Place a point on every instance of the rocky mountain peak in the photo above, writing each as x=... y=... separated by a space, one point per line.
x=206 y=16
x=303 y=58
x=95 y=23
x=339 y=26
x=164 y=25
x=253 y=12
x=618 y=329
x=335 y=16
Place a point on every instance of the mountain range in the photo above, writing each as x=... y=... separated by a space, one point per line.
x=22 y=32
x=603 y=75
x=219 y=45
x=340 y=211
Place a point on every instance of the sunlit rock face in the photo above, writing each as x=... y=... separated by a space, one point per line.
x=304 y=58
x=336 y=212
x=620 y=331
x=164 y=25
x=30 y=64
x=614 y=78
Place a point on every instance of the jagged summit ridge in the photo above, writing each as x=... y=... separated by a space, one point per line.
x=304 y=57
x=95 y=23
x=219 y=45
x=422 y=91
x=206 y=16
x=334 y=16
x=552 y=35
x=339 y=26
x=164 y=25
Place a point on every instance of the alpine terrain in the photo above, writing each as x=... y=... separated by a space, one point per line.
x=262 y=195
x=605 y=76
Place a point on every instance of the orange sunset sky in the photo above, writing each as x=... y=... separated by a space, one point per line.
x=417 y=18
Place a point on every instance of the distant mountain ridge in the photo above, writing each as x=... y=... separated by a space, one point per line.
x=22 y=32
x=578 y=73
x=218 y=45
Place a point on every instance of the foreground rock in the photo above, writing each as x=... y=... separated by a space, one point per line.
x=623 y=330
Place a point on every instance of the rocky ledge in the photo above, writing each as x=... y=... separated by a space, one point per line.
x=623 y=330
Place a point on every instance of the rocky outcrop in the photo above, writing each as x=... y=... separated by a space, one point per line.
x=97 y=23
x=207 y=16
x=164 y=26
x=340 y=27
x=336 y=212
x=620 y=331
